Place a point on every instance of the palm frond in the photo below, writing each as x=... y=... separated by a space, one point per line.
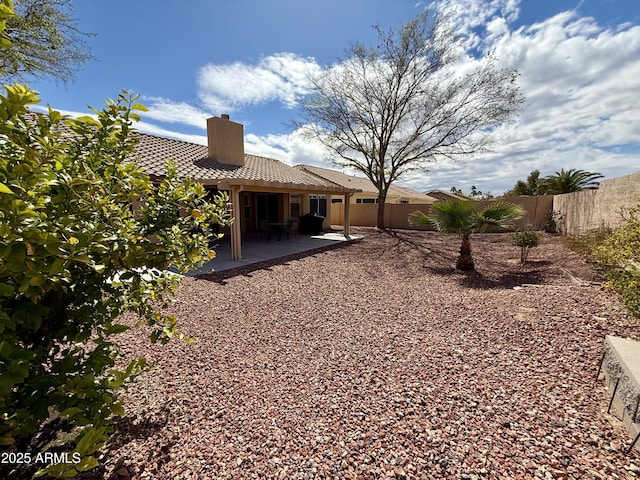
x=455 y=216
x=497 y=216
x=572 y=180
x=420 y=219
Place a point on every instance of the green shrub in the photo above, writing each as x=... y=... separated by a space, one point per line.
x=619 y=256
x=526 y=240
x=74 y=256
x=586 y=243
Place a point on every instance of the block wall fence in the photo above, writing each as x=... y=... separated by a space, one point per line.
x=396 y=215
x=601 y=209
x=576 y=213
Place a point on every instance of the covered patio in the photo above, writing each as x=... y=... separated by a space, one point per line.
x=277 y=201
x=265 y=194
x=256 y=249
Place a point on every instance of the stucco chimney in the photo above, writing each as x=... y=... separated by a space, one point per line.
x=226 y=140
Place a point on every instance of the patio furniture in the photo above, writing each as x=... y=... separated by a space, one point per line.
x=292 y=228
x=311 y=223
x=278 y=228
x=263 y=227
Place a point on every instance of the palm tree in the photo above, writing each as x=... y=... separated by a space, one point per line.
x=530 y=187
x=567 y=181
x=465 y=217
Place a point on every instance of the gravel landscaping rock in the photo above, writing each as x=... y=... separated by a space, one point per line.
x=379 y=360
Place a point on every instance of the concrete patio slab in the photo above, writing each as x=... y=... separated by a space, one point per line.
x=256 y=250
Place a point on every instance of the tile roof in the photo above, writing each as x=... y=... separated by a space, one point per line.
x=152 y=153
x=364 y=184
x=193 y=161
x=409 y=192
x=340 y=178
x=442 y=194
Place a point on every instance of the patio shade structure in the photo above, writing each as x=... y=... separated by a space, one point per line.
x=237 y=186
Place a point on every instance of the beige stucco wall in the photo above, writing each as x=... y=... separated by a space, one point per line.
x=589 y=210
x=397 y=215
x=537 y=207
x=390 y=198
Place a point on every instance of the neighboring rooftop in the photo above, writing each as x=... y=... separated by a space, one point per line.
x=364 y=184
x=443 y=195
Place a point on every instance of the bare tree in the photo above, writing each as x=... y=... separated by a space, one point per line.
x=394 y=108
x=45 y=41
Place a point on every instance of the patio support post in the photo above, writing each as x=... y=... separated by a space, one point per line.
x=347 y=214
x=236 y=232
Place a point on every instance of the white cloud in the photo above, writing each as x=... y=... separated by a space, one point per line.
x=581 y=82
x=152 y=129
x=280 y=77
x=165 y=110
x=292 y=148
x=468 y=15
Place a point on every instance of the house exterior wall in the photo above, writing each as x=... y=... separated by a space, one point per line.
x=601 y=209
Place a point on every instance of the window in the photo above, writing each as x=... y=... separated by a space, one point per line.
x=404 y=201
x=336 y=200
x=294 y=203
x=366 y=200
x=318 y=204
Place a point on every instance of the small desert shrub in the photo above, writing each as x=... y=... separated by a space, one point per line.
x=619 y=256
x=553 y=221
x=587 y=243
x=525 y=240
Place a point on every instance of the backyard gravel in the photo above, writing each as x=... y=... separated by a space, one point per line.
x=379 y=360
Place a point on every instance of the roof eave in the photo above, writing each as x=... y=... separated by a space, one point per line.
x=227 y=183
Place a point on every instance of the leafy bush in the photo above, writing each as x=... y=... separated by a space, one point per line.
x=526 y=240
x=74 y=256
x=587 y=243
x=619 y=255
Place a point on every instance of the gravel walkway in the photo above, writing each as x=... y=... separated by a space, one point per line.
x=380 y=360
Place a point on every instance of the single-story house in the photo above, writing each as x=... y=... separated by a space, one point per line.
x=369 y=192
x=261 y=189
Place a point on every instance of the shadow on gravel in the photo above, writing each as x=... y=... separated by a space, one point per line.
x=415 y=241
x=477 y=280
x=438 y=257
x=127 y=429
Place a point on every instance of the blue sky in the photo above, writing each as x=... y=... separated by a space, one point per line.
x=579 y=63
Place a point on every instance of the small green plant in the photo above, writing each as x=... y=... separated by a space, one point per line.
x=525 y=240
x=619 y=256
x=586 y=244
